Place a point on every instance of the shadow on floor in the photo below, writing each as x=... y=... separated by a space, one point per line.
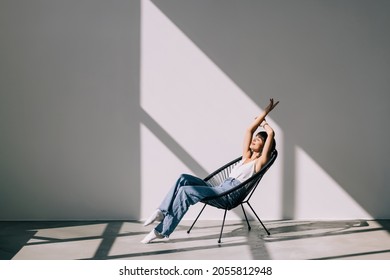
x=17 y=236
x=291 y=230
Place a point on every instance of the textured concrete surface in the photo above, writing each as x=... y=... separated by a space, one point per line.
x=297 y=240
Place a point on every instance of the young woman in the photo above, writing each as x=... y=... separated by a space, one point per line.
x=189 y=189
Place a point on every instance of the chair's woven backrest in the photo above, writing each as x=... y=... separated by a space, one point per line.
x=221 y=174
x=237 y=195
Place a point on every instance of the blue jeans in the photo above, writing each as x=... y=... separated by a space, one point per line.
x=187 y=191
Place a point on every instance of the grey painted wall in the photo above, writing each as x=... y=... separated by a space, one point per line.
x=69 y=96
x=69 y=145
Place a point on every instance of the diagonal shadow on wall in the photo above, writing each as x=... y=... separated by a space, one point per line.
x=321 y=59
x=172 y=144
x=179 y=151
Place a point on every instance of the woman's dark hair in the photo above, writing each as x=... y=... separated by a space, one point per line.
x=264 y=136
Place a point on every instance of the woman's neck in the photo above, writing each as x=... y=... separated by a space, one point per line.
x=255 y=155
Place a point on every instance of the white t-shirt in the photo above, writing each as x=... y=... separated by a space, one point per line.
x=243 y=171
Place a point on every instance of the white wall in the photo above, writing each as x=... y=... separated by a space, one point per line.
x=104 y=105
x=327 y=61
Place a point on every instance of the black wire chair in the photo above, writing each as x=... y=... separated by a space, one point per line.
x=236 y=196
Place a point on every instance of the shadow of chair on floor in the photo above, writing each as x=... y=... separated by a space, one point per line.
x=291 y=230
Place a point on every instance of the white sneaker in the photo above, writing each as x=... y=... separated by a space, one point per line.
x=151 y=236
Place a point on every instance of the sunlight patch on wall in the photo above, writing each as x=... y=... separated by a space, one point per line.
x=194 y=102
x=318 y=196
x=192 y=99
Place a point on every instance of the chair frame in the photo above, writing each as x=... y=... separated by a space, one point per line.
x=221 y=174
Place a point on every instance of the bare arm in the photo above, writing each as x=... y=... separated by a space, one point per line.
x=267 y=148
x=246 y=153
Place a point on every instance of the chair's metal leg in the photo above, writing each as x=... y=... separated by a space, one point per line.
x=258 y=219
x=246 y=218
x=223 y=223
x=188 y=231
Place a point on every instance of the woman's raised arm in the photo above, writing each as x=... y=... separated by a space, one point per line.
x=246 y=153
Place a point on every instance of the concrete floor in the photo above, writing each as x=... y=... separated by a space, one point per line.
x=298 y=240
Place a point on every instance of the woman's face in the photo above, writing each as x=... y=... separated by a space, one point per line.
x=257 y=144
